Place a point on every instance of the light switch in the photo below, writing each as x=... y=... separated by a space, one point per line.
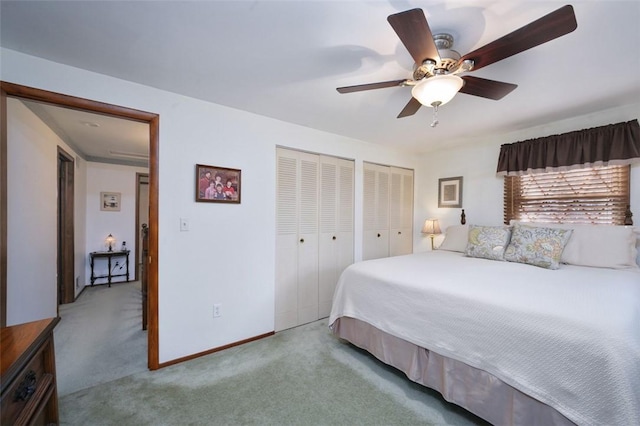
x=184 y=224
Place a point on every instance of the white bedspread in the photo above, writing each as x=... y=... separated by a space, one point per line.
x=569 y=338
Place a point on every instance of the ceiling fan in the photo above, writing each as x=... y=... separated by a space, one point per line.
x=435 y=80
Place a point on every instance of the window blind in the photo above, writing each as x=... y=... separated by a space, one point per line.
x=597 y=195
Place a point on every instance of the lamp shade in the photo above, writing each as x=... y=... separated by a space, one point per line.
x=431 y=227
x=437 y=90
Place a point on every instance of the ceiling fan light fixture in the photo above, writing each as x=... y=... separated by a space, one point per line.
x=437 y=90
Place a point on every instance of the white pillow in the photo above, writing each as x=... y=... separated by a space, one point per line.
x=601 y=246
x=455 y=238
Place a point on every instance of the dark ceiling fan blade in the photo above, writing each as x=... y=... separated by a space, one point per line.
x=410 y=108
x=371 y=86
x=484 y=88
x=413 y=30
x=547 y=28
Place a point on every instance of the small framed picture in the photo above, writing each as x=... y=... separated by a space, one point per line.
x=110 y=201
x=217 y=184
x=450 y=192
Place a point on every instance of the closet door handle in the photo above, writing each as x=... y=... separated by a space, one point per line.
x=378 y=235
x=302 y=240
x=334 y=237
x=399 y=232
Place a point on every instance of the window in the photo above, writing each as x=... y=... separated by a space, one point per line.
x=597 y=195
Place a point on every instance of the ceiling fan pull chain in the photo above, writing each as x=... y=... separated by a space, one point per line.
x=435 y=121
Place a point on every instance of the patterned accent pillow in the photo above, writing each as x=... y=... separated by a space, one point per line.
x=537 y=246
x=488 y=242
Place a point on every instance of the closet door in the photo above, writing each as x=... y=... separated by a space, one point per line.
x=346 y=185
x=286 y=283
x=375 y=211
x=336 y=226
x=296 y=287
x=308 y=239
x=401 y=212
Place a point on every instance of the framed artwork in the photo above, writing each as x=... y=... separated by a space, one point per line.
x=110 y=201
x=450 y=192
x=217 y=184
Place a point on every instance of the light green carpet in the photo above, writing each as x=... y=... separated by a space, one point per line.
x=100 y=337
x=303 y=376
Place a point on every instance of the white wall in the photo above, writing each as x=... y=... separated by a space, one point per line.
x=32 y=151
x=477 y=162
x=102 y=177
x=228 y=255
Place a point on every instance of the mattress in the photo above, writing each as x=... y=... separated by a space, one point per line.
x=569 y=338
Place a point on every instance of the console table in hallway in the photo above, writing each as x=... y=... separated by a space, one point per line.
x=109 y=255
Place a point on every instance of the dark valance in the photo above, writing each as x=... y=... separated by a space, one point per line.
x=615 y=144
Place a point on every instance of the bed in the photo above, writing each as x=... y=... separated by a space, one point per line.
x=514 y=342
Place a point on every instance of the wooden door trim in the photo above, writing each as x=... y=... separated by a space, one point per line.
x=25 y=92
x=3 y=207
x=66 y=245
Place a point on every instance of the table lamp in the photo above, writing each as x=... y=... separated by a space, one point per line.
x=110 y=242
x=432 y=228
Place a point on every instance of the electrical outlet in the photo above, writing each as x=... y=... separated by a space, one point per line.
x=216 y=310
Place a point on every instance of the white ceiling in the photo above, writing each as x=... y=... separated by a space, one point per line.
x=284 y=59
x=97 y=137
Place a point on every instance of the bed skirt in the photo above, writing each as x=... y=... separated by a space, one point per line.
x=477 y=391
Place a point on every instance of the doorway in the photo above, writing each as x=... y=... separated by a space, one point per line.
x=66 y=234
x=24 y=92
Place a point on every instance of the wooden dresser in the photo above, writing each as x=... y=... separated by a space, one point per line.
x=28 y=374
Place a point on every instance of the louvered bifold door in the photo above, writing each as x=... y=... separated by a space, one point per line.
x=346 y=188
x=375 y=238
x=308 y=238
x=336 y=226
x=287 y=209
x=401 y=212
x=296 y=292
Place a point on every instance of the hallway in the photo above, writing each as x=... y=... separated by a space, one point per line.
x=100 y=337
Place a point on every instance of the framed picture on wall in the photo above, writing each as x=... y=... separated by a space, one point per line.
x=110 y=201
x=450 y=192
x=217 y=184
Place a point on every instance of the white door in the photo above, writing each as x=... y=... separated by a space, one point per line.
x=286 y=283
x=401 y=212
x=375 y=211
x=296 y=287
x=308 y=239
x=336 y=226
x=346 y=187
